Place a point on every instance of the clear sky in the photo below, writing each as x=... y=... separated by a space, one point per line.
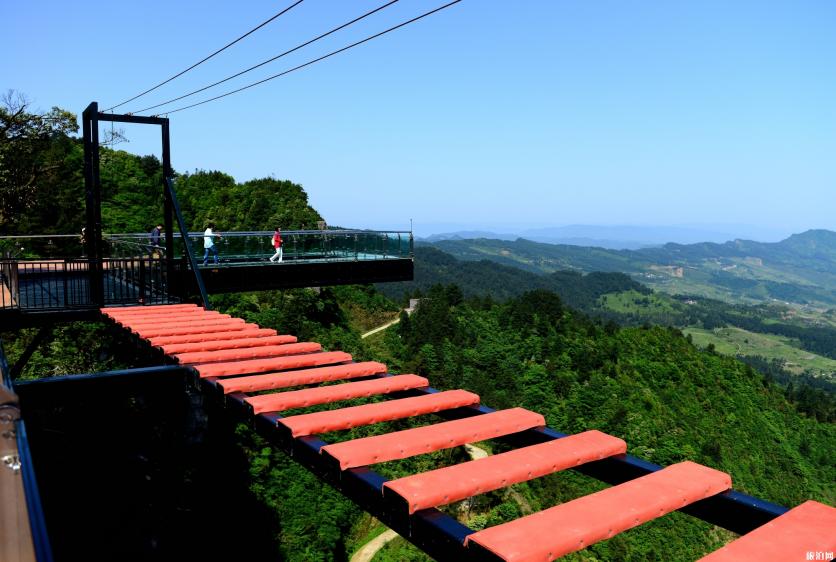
x=527 y=112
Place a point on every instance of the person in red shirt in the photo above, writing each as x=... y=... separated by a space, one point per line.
x=277 y=244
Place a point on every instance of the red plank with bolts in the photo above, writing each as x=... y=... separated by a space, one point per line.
x=287 y=379
x=453 y=483
x=579 y=523
x=368 y=414
x=272 y=364
x=333 y=393
x=420 y=440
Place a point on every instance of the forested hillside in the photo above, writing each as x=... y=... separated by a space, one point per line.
x=485 y=278
x=800 y=269
x=43 y=188
x=650 y=386
x=785 y=343
x=524 y=347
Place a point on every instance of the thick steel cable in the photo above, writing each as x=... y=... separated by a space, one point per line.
x=310 y=62
x=228 y=45
x=296 y=48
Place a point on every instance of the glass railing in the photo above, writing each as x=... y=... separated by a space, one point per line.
x=297 y=245
x=233 y=247
x=43 y=246
x=51 y=271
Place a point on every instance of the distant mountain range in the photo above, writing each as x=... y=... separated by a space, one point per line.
x=616 y=237
x=480 y=278
x=799 y=269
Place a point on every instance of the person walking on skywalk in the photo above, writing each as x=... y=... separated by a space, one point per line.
x=154 y=248
x=277 y=244
x=209 y=243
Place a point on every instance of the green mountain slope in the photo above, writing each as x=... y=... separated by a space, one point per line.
x=482 y=278
x=800 y=269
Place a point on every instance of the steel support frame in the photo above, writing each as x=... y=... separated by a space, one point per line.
x=442 y=536
x=431 y=530
x=93 y=190
x=435 y=532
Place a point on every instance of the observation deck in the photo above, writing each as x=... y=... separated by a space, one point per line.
x=45 y=278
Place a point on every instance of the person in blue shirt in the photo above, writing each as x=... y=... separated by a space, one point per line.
x=155 y=250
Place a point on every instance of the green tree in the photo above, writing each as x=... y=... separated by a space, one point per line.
x=33 y=148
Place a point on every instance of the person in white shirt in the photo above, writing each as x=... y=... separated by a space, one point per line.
x=209 y=243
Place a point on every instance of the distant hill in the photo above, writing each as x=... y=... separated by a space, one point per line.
x=784 y=342
x=615 y=237
x=501 y=282
x=800 y=269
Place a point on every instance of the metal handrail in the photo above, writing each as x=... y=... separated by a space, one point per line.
x=19 y=542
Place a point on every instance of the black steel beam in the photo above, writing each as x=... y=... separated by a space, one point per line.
x=42 y=334
x=141 y=119
x=194 y=271
x=434 y=532
x=287 y=275
x=16 y=319
x=80 y=384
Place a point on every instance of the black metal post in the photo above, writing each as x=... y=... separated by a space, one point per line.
x=93 y=198
x=99 y=295
x=168 y=216
x=42 y=335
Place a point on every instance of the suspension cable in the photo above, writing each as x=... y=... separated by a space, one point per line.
x=310 y=62
x=228 y=45
x=296 y=48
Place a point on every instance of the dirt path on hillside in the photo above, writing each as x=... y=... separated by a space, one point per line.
x=367 y=552
x=380 y=328
x=479 y=453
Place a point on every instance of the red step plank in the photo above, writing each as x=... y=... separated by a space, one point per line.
x=121 y=310
x=420 y=440
x=289 y=379
x=453 y=483
x=213 y=336
x=167 y=319
x=809 y=529
x=572 y=526
x=161 y=314
x=333 y=393
x=141 y=329
x=368 y=414
x=231 y=343
x=239 y=354
x=152 y=313
x=273 y=364
x=181 y=331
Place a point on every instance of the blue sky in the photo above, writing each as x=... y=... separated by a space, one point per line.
x=489 y=114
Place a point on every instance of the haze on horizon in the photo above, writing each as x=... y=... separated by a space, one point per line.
x=488 y=114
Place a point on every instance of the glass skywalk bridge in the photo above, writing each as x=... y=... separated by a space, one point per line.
x=247 y=248
x=48 y=274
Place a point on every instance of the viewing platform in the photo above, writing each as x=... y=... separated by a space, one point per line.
x=47 y=275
